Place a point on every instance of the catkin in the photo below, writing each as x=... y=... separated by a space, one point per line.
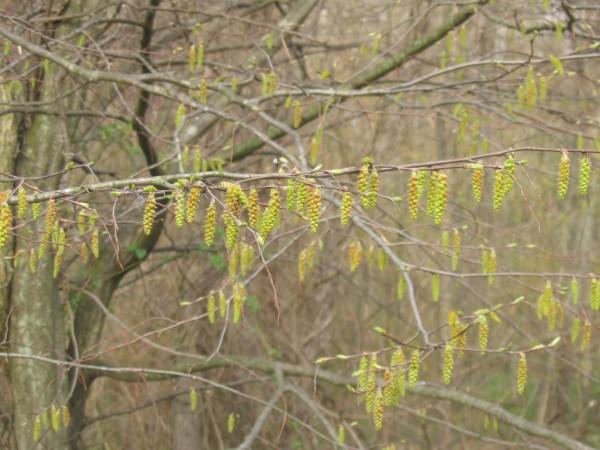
x=585 y=171
x=477 y=181
x=211 y=309
x=371 y=199
x=435 y=287
x=388 y=388
x=499 y=189
x=222 y=305
x=95 y=243
x=413 y=368
x=66 y=416
x=586 y=335
x=239 y=298
x=22 y=203
x=314 y=209
x=179 y=207
x=346 y=208
x=149 y=210
x=432 y=194
x=397 y=361
x=355 y=254
x=5 y=223
x=521 y=374
x=574 y=291
x=401 y=287
x=291 y=196
x=484 y=331
x=193 y=399
x=363 y=373
x=448 y=367
x=192 y=203
x=413 y=195
x=210 y=223
x=563 y=175
x=441 y=198
x=253 y=208
x=378 y=410
x=297 y=119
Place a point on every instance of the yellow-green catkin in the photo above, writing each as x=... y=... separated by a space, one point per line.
x=271 y=217
x=362 y=184
x=60 y=250
x=203 y=94
x=193 y=399
x=297 y=119
x=36 y=210
x=341 y=437
x=531 y=91
x=222 y=305
x=521 y=373
x=388 y=388
x=33 y=260
x=346 y=208
x=253 y=208
x=192 y=203
x=95 y=243
x=491 y=265
x=5 y=223
x=586 y=335
x=149 y=210
x=22 y=203
x=200 y=55
x=55 y=417
x=373 y=191
x=432 y=194
x=232 y=229
x=477 y=181
x=180 y=213
x=231 y=423
x=371 y=384
x=211 y=309
x=179 y=115
x=441 y=198
x=414 y=195
x=435 y=287
x=499 y=188
x=210 y=222
x=37 y=429
x=291 y=194
x=484 y=331
x=456 y=248
x=585 y=171
x=66 y=416
x=448 y=367
x=397 y=361
x=378 y=410
x=595 y=295
x=575 y=329
x=50 y=216
x=239 y=298
x=574 y=291
x=414 y=366
x=314 y=209
x=363 y=373
x=355 y=254
x=302 y=265
x=563 y=175
x=401 y=287
x=246 y=258
x=44 y=419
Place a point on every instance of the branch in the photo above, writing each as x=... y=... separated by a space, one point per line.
x=135 y=374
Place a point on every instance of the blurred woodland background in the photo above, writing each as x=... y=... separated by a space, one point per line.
x=124 y=125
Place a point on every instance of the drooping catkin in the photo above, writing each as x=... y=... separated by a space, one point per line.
x=253 y=208
x=55 y=418
x=95 y=243
x=397 y=361
x=595 y=294
x=203 y=94
x=210 y=222
x=388 y=388
x=211 y=308
x=414 y=195
x=66 y=416
x=363 y=373
x=231 y=423
x=314 y=209
x=222 y=304
x=441 y=198
x=149 y=210
x=315 y=146
x=22 y=203
x=456 y=247
x=297 y=119
x=574 y=291
x=585 y=171
x=448 y=366
x=193 y=399
x=60 y=250
x=499 y=188
x=239 y=298
x=521 y=373
x=484 y=331
x=477 y=181
x=180 y=212
x=50 y=216
x=413 y=367
x=5 y=223
x=401 y=287
x=491 y=266
x=246 y=258
x=371 y=383
x=37 y=429
x=373 y=191
x=346 y=208
x=563 y=175
x=193 y=200
x=36 y=210
x=378 y=410
x=355 y=254
x=232 y=230
x=586 y=335
x=432 y=194
x=291 y=194
x=302 y=265
x=33 y=260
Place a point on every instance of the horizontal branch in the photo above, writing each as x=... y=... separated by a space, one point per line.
x=135 y=374
x=167 y=181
